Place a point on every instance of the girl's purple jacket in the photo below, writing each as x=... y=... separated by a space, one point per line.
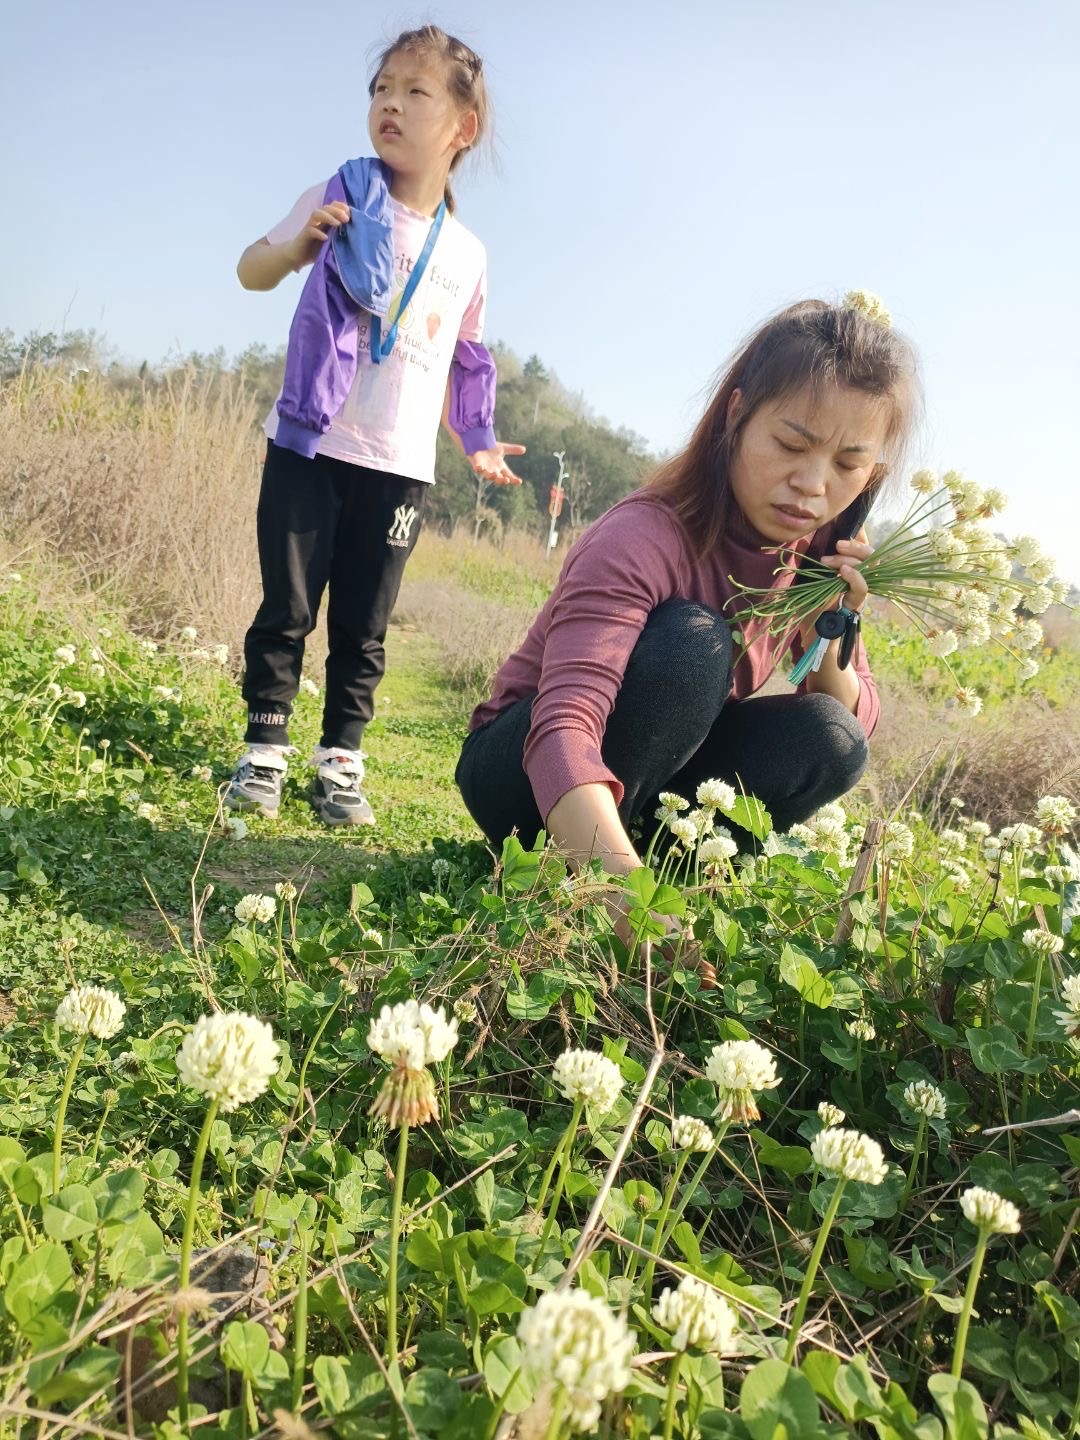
x=352 y=273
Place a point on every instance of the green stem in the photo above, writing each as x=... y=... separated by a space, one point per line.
x=65 y=1095
x=395 y=1232
x=19 y=1216
x=185 y=1266
x=568 y=1134
x=969 y=1304
x=567 y=1151
x=661 y=1223
x=1029 y=1039
x=281 y=957
x=695 y=1181
x=300 y=1327
x=811 y=1271
x=558 y=1409
x=97 y=1132
x=311 y=1048
x=910 y=1181
x=672 y=1395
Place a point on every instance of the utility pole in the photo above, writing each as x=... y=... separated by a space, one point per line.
x=555 y=503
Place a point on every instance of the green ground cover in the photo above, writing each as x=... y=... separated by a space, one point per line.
x=406 y=1274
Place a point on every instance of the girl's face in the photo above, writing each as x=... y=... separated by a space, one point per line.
x=413 y=121
x=799 y=461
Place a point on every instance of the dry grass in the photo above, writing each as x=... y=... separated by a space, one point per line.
x=152 y=494
x=999 y=764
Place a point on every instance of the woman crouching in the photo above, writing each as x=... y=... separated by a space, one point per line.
x=632 y=681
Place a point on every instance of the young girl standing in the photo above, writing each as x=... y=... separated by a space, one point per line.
x=632 y=679
x=384 y=344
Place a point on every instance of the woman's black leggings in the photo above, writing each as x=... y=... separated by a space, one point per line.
x=674 y=726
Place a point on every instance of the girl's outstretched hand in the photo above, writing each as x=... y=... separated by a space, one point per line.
x=491 y=464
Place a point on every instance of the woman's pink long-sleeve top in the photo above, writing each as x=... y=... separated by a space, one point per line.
x=628 y=562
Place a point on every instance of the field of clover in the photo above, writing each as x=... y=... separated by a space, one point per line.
x=414 y=1145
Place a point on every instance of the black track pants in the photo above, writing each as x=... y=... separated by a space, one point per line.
x=326 y=523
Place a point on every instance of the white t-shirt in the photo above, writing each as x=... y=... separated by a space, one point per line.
x=392 y=413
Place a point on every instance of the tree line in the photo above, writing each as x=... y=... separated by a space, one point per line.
x=602 y=463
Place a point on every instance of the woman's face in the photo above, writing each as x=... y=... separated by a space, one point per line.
x=799 y=461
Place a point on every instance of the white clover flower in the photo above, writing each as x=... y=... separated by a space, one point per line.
x=690 y=1133
x=574 y=1341
x=925 y=1099
x=1028 y=635
x=412 y=1035
x=220 y=653
x=830 y=1115
x=308 y=686
x=97 y=672
x=584 y=1075
x=868 y=304
x=1039 y=599
x=440 y=869
x=1055 y=814
x=1018 y=838
x=1070 y=1016
x=189 y=633
x=987 y=1210
x=716 y=794
x=952 y=841
x=465 y=1010
x=201 y=772
x=65 y=654
x=898 y=841
x=1043 y=942
x=229 y=1057
x=860 y=1029
x=14 y=577
x=76 y=698
x=738 y=1068
x=924 y=482
x=701 y=820
x=720 y=846
x=371 y=936
x=685 y=832
x=942 y=643
x=1028 y=669
x=256 y=908
x=695 y=1315
x=994 y=501
x=285 y=890
x=849 y=1156
x=53 y=691
x=146 y=811
x=670 y=801
x=150 y=646
x=968 y=700
x=91 y=1010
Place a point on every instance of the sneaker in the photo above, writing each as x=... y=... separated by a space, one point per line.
x=257 y=781
x=336 y=794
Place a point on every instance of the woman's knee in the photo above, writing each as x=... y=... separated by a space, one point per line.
x=686 y=648
x=838 y=740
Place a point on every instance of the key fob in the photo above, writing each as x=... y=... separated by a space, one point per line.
x=847 y=643
x=831 y=624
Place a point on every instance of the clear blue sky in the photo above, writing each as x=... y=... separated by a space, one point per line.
x=667 y=175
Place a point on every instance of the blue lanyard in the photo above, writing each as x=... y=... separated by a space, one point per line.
x=380 y=348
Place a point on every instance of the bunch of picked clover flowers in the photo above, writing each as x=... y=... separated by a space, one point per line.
x=946 y=571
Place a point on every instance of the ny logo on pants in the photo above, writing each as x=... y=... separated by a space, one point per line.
x=401 y=526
